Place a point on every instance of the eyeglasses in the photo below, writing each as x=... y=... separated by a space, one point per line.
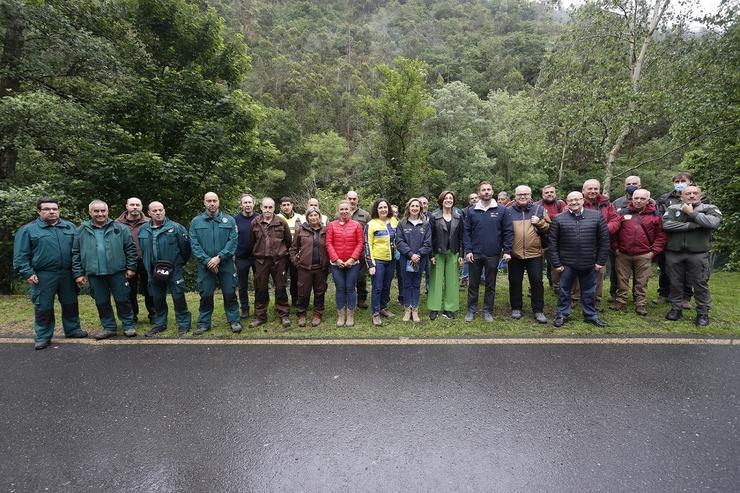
x=523 y=194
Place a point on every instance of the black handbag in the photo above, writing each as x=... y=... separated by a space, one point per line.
x=163 y=269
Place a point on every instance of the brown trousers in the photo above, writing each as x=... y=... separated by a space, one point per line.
x=312 y=279
x=264 y=268
x=639 y=266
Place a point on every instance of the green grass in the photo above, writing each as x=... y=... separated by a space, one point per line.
x=16 y=319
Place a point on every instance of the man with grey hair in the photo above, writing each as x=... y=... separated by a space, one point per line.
x=104 y=255
x=530 y=222
x=579 y=246
x=244 y=255
x=134 y=218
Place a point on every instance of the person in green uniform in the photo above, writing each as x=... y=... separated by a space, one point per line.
x=213 y=238
x=104 y=255
x=165 y=245
x=42 y=255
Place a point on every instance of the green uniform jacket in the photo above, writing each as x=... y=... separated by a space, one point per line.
x=690 y=232
x=170 y=240
x=120 y=250
x=213 y=236
x=39 y=247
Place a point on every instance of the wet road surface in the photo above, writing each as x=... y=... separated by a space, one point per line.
x=369 y=418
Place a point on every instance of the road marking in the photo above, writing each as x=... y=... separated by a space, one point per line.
x=403 y=341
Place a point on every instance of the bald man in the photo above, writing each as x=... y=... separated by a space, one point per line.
x=134 y=218
x=579 y=246
x=213 y=239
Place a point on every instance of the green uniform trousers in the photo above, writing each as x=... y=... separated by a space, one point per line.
x=101 y=288
x=207 y=285
x=443 y=286
x=51 y=284
x=176 y=288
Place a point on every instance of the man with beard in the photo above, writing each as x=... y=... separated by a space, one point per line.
x=244 y=256
x=213 y=239
x=488 y=235
x=133 y=217
x=553 y=206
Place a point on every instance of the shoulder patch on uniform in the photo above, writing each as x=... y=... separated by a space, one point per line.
x=224 y=220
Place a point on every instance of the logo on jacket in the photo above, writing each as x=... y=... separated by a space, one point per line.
x=224 y=220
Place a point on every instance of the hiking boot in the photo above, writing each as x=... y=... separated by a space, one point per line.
x=488 y=316
x=236 y=327
x=77 y=334
x=350 y=321
x=361 y=304
x=244 y=314
x=616 y=306
x=387 y=313
x=516 y=314
x=104 y=334
x=673 y=315
x=315 y=320
x=202 y=329
x=285 y=322
x=470 y=316
x=415 y=315
x=540 y=317
x=559 y=321
x=407 y=314
x=702 y=319
x=154 y=331
x=641 y=310
x=256 y=323
x=376 y=320
x=130 y=332
x=341 y=314
x=686 y=305
x=301 y=320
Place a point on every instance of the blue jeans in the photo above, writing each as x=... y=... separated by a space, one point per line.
x=345 y=280
x=587 y=280
x=411 y=284
x=382 y=284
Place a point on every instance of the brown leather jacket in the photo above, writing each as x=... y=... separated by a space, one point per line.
x=301 y=251
x=269 y=240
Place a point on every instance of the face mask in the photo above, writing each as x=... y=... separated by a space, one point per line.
x=630 y=189
x=679 y=187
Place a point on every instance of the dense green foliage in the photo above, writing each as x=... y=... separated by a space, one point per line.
x=165 y=99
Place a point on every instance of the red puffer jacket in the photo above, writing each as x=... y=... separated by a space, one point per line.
x=640 y=233
x=344 y=240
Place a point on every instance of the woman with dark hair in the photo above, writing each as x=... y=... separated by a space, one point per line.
x=380 y=252
x=344 y=243
x=308 y=255
x=446 y=225
x=414 y=241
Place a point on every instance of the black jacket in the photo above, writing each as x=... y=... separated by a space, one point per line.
x=579 y=241
x=444 y=240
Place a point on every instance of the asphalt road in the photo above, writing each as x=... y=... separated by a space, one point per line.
x=369 y=418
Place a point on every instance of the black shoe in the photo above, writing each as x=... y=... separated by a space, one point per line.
x=155 y=331
x=559 y=321
x=596 y=321
x=38 y=345
x=673 y=315
x=77 y=334
x=201 y=330
x=702 y=320
x=244 y=315
x=448 y=315
x=362 y=304
x=433 y=315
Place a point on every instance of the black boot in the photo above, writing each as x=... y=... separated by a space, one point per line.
x=673 y=315
x=702 y=319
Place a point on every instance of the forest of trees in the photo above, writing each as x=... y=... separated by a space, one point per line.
x=167 y=99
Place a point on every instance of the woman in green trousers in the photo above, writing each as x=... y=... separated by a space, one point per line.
x=447 y=232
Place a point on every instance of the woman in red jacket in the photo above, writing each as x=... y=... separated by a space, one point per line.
x=344 y=243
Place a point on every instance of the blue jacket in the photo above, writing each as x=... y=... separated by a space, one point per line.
x=488 y=231
x=39 y=247
x=411 y=239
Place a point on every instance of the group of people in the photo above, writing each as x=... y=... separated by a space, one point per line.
x=570 y=240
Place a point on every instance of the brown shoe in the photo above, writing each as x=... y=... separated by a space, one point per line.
x=256 y=323
x=315 y=320
x=641 y=310
x=616 y=306
x=387 y=313
x=341 y=314
x=407 y=314
x=301 y=320
x=415 y=315
x=686 y=305
x=350 y=318
x=661 y=300
x=104 y=334
x=376 y=320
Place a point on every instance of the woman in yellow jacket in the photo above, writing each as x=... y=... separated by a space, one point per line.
x=380 y=255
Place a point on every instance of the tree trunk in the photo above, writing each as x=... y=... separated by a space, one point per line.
x=9 y=82
x=562 y=157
